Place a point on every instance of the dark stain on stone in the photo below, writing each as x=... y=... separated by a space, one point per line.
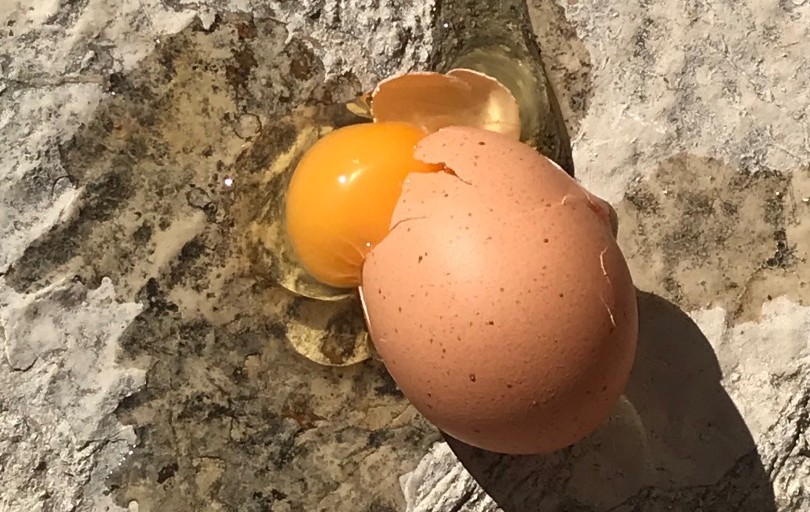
x=153 y=299
x=642 y=200
x=298 y=410
x=381 y=507
x=640 y=39
x=191 y=251
x=275 y=139
x=340 y=335
x=143 y=234
x=193 y=336
x=204 y=407
x=166 y=57
x=697 y=215
x=303 y=64
x=102 y=201
x=378 y=438
x=388 y=386
x=784 y=255
x=260 y=503
x=246 y=30
x=277 y=330
x=68 y=13
x=239 y=72
x=166 y=472
x=189 y=267
x=244 y=61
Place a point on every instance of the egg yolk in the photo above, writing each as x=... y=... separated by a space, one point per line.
x=342 y=195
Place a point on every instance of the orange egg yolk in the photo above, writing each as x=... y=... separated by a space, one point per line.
x=342 y=195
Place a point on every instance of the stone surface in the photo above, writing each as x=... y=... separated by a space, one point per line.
x=60 y=383
x=724 y=80
x=137 y=155
x=137 y=137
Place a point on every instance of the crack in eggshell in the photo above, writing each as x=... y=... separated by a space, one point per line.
x=601 y=207
x=401 y=221
x=609 y=312
x=427 y=187
x=473 y=154
x=602 y=264
x=461 y=167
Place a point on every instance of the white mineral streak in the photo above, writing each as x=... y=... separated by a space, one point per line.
x=440 y=482
x=726 y=79
x=59 y=387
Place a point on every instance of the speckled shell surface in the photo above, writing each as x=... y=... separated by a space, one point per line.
x=500 y=302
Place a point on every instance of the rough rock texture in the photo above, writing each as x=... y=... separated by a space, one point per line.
x=136 y=138
x=726 y=80
x=59 y=385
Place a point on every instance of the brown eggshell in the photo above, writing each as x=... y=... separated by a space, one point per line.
x=433 y=100
x=500 y=302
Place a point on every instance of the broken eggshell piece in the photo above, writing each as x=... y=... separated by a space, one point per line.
x=432 y=101
x=500 y=301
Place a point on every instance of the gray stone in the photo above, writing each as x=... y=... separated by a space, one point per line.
x=59 y=386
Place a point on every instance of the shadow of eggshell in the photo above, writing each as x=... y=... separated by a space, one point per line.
x=674 y=441
x=329 y=333
x=461 y=97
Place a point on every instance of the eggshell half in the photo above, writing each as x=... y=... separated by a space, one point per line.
x=461 y=97
x=500 y=302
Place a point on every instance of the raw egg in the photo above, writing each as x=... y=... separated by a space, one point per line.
x=500 y=301
x=342 y=194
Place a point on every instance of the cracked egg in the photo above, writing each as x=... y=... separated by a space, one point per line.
x=340 y=198
x=492 y=284
x=500 y=301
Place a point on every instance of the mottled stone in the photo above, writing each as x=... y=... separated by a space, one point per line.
x=723 y=80
x=60 y=384
x=149 y=175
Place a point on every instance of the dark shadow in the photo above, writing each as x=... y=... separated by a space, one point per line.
x=675 y=442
